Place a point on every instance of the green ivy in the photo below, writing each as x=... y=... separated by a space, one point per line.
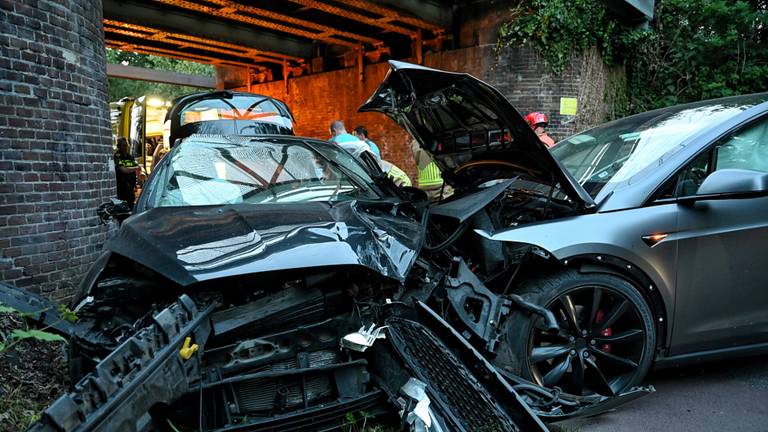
x=696 y=50
x=560 y=28
x=693 y=50
x=7 y=341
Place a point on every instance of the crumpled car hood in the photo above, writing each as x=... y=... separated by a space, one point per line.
x=193 y=244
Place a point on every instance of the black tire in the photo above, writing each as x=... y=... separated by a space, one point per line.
x=614 y=354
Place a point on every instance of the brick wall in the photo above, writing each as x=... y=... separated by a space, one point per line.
x=55 y=149
x=317 y=100
x=518 y=73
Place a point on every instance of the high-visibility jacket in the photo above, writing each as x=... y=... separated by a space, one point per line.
x=399 y=176
x=429 y=176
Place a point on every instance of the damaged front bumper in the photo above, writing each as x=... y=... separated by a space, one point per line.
x=178 y=373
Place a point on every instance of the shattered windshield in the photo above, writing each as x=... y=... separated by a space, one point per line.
x=257 y=172
x=612 y=153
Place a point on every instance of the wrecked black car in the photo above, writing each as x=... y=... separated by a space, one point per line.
x=276 y=283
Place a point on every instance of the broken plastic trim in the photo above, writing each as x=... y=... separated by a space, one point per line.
x=363 y=339
x=144 y=370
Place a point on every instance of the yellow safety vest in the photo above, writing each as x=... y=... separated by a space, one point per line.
x=396 y=173
x=430 y=176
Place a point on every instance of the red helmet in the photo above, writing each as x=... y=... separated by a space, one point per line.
x=537 y=118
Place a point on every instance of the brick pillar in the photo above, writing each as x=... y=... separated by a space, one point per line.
x=55 y=146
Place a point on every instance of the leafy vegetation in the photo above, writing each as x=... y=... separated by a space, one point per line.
x=363 y=421
x=692 y=50
x=120 y=88
x=32 y=368
x=696 y=50
x=559 y=28
x=8 y=340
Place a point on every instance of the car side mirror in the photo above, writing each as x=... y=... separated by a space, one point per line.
x=731 y=184
x=115 y=209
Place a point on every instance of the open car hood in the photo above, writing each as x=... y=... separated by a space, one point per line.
x=459 y=119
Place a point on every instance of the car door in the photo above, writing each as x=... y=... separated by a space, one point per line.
x=722 y=278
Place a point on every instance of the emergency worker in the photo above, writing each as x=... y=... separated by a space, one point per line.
x=362 y=134
x=538 y=121
x=395 y=173
x=430 y=179
x=126 y=170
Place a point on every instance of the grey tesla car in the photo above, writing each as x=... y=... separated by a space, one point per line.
x=646 y=237
x=666 y=263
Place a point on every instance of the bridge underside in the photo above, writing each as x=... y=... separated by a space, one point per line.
x=278 y=39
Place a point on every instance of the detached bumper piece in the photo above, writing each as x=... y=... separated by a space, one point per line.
x=466 y=403
x=145 y=370
x=35 y=307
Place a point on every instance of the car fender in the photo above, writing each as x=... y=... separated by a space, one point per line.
x=612 y=239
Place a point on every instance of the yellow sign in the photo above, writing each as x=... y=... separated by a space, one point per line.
x=568 y=106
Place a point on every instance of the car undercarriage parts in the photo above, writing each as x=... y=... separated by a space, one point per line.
x=144 y=370
x=290 y=304
x=474 y=304
x=550 y=323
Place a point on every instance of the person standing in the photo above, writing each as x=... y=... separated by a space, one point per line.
x=395 y=173
x=362 y=134
x=538 y=122
x=126 y=170
x=354 y=145
x=430 y=178
x=339 y=133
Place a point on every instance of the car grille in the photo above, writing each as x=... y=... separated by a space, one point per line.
x=260 y=395
x=447 y=378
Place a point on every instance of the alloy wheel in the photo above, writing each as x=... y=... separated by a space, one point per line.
x=599 y=346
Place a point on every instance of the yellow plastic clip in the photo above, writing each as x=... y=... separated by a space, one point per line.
x=188 y=349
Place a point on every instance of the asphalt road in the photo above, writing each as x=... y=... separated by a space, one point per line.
x=723 y=396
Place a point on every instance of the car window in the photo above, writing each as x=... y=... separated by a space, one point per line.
x=257 y=108
x=747 y=148
x=218 y=173
x=623 y=150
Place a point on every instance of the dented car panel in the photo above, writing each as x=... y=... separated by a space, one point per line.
x=204 y=243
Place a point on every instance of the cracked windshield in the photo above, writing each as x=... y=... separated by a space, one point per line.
x=201 y=173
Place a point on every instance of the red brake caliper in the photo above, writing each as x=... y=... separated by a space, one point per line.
x=599 y=317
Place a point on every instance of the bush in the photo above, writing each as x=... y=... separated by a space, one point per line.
x=693 y=50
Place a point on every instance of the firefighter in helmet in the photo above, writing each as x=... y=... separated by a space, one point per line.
x=538 y=121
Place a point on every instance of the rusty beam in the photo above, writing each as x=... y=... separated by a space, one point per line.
x=180 y=22
x=275 y=21
x=352 y=15
x=175 y=54
x=417 y=9
x=187 y=41
x=152 y=75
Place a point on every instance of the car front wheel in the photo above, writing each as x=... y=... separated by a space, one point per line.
x=606 y=339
